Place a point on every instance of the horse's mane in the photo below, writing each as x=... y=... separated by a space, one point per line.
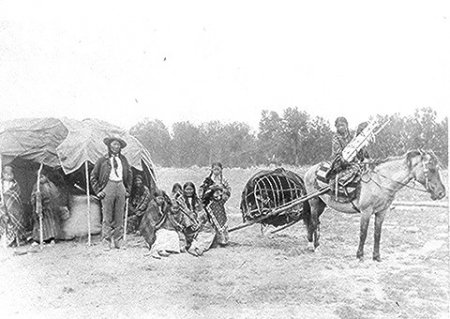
x=380 y=161
x=408 y=156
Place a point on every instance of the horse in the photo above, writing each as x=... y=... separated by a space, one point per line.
x=378 y=187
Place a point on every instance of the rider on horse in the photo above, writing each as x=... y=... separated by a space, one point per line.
x=341 y=139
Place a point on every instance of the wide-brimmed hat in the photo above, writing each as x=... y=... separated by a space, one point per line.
x=109 y=140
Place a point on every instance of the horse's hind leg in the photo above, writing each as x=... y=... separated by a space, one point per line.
x=379 y=218
x=364 y=225
x=317 y=207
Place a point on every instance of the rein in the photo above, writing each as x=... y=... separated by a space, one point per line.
x=403 y=184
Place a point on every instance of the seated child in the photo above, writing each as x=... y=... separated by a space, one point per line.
x=177 y=191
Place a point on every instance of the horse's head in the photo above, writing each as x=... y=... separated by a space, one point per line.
x=424 y=167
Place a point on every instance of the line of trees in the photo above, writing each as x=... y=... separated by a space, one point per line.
x=294 y=138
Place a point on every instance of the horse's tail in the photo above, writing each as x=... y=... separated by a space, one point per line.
x=307 y=214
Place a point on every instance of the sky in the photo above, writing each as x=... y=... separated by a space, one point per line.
x=123 y=61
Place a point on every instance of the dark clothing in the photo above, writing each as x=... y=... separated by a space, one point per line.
x=193 y=204
x=172 y=221
x=193 y=207
x=52 y=203
x=217 y=213
x=150 y=221
x=11 y=214
x=217 y=208
x=140 y=199
x=362 y=155
x=338 y=144
x=113 y=204
x=102 y=170
x=113 y=209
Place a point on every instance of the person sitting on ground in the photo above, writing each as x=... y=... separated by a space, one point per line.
x=193 y=206
x=190 y=197
x=204 y=236
x=157 y=208
x=167 y=238
x=52 y=210
x=12 y=227
x=139 y=200
x=177 y=190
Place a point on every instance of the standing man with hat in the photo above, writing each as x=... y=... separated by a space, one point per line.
x=111 y=180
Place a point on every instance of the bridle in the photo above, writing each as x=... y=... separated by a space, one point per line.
x=403 y=184
x=426 y=183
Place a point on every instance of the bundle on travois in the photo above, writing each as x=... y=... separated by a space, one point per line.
x=266 y=195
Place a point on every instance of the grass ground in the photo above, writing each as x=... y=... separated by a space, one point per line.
x=272 y=276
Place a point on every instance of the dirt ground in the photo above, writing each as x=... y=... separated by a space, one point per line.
x=257 y=276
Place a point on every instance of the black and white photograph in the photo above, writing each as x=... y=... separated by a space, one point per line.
x=224 y=159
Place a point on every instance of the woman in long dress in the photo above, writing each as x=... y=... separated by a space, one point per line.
x=215 y=191
x=12 y=227
x=213 y=222
x=51 y=200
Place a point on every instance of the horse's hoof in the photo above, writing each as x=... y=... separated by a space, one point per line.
x=311 y=247
x=377 y=258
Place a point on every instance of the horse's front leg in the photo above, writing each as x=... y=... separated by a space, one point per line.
x=379 y=218
x=364 y=225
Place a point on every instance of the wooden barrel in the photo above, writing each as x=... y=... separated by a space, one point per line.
x=77 y=225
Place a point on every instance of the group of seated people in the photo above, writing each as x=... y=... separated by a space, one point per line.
x=183 y=221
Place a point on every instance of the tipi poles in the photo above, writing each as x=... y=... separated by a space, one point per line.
x=39 y=207
x=88 y=194
x=1 y=202
x=125 y=222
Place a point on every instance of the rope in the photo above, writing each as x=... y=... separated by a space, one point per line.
x=401 y=183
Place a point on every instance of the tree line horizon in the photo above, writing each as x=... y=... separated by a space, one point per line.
x=292 y=138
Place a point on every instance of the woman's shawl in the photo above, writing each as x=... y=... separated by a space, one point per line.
x=140 y=201
x=11 y=213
